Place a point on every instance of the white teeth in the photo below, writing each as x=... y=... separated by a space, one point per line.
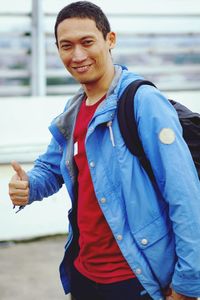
x=82 y=69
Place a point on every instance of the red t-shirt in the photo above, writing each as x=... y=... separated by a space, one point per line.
x=100 y=258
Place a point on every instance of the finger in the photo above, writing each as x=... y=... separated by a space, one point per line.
x=18 y=184
x=18 y=169
x=18 y=192
x=19 y=198
x=19 y=201
x=15 y=178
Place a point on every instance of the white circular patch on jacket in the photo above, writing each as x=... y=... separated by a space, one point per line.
x=167 y=136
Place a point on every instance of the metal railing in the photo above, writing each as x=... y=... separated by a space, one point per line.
x=163 y=46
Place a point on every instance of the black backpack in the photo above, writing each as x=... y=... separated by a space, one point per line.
x=189 y=120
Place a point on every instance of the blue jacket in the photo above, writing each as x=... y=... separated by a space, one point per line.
x=157 y=226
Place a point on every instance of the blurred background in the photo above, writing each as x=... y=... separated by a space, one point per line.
x=157 y=39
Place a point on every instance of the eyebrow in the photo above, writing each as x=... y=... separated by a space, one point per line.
x=64 y=41
x=81 y=39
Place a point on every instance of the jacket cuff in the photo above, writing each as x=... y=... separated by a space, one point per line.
x=31 y=189
x=186 y=286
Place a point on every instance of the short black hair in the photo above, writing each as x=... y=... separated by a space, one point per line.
x=84 y=9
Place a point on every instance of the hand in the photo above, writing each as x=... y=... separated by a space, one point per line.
x=175 y=296
x=19 y=186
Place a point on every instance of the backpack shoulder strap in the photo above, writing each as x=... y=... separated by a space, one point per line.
x=128 y=125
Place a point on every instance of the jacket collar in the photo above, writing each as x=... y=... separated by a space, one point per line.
x=66 y=121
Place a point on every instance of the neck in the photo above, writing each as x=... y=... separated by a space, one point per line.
x=97 y=90
x=95 y=99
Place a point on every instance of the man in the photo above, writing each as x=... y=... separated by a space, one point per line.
x=128 y=238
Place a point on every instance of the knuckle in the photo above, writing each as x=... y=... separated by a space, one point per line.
x=10 y=185
x=10 y=192
x=27 y=193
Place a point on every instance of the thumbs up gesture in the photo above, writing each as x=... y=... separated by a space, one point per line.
x=19 y=186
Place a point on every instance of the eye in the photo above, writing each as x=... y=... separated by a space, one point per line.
x=65 y=46
x=87 y=42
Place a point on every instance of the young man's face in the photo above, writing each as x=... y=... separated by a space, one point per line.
x=83 y=49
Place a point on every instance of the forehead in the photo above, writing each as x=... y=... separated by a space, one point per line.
x=74 y=28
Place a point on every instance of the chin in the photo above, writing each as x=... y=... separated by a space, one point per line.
x=90 y=79
x=87 y=80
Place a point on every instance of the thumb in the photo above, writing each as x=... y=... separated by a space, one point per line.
x=18 y=169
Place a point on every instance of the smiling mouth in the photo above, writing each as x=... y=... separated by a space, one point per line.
x=82 y=69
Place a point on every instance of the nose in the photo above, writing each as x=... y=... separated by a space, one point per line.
x=79 y=54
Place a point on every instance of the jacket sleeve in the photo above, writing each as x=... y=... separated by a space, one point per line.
x=161 y=135
x=45 y=178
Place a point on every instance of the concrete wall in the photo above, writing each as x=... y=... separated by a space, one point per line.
x=24 y=135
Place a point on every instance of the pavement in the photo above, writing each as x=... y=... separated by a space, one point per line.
x=30 y=270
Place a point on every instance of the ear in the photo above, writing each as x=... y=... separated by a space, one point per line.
x=111 y=38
